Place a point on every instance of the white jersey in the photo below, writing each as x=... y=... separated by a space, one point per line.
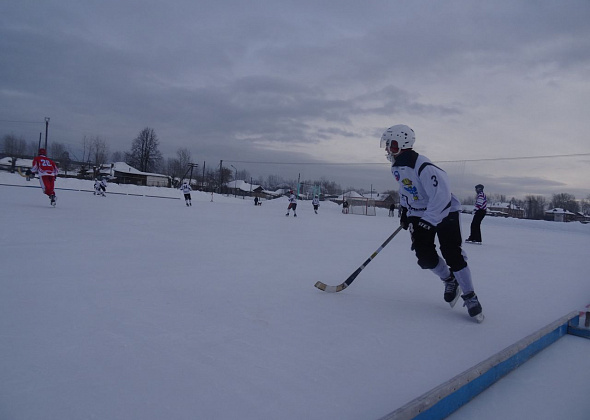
x=423 y=188
x=185 y=188
x=103 y=183
x=96 y=184
x=292 y=198
x=315 y=201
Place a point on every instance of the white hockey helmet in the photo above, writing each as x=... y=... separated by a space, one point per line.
x=402 y=135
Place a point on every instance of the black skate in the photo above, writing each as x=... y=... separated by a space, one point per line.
x=52 y=199
x=452 y=290
x=473 y=306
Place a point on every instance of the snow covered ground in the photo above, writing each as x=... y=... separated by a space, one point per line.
x=135 y=307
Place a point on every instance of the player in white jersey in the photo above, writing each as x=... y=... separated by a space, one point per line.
x=315 y=203
x=429 y=209
x=100 y=187
x=186 y=190
x=292 y=204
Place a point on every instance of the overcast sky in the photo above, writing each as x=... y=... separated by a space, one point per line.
x=304 y=82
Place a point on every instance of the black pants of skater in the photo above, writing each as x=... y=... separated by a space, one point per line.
x=476 y=225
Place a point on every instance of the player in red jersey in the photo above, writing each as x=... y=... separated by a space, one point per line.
x=47 y=171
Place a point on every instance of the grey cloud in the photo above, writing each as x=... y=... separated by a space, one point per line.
x=225 y=79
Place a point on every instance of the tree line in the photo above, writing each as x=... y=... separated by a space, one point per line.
x=145 y=156
x=536 y=205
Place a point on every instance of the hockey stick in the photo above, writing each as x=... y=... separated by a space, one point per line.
x=350 y=279
x=25 y=175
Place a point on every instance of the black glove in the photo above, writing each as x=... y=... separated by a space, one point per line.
x=403 y=219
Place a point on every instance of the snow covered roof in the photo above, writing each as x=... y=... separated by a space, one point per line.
x=242 y=185
x=277 y=193
x=380 y=196
x=504 y=206
x=558 y=210
x=124 y=168
x=350 y=194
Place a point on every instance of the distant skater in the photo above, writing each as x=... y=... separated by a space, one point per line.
x=103 y=186
x=186 y=190
x=315 y=203
x=481 y=204
x=392 y=210
x=100 y=187
x=47 y=171
x=292 y=204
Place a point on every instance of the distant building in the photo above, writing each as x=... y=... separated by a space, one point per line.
x=560 y=215
x=121 y=173
x=505 y=210
x=382 y=200
x=242 y=188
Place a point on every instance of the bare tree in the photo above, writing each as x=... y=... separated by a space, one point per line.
x=14 y=146
x=98 y=151
x=585 y=205
x=184 y=157
x=144 y=154
x=86 y=149
x=56 y=150
x=32 y=148
x=242 y=174
x=118 y=157
x=565 y=201
x=497 y=198
x=177 y=167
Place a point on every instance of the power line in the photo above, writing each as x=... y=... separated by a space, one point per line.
x=23 y=122
x=517 y=158
x=386 y=163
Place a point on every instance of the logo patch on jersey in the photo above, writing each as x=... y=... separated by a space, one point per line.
x=409 y=187
x=396 y=175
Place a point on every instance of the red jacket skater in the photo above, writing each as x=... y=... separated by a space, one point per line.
x=47 y=170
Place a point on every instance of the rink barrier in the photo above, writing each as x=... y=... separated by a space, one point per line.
x=91 y=191
x=574 y=327
x=448 y=397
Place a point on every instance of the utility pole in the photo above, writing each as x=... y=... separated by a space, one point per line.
x=220 y=176
x=46 y=130
x=190 y=168
x=203 y=179
x=235 y=179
